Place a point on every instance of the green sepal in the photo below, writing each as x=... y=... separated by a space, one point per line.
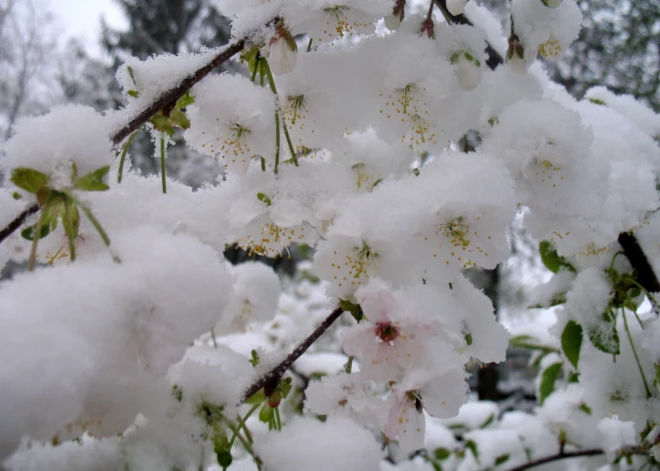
x=16 y=195
x=548 y=379
x=571 y=342
x=502 y=459
x=93 y=181
x=585 y=408
x=132 y=74
x=488 y=421
x=28 y=232
x=468 y=338
x=266 y=413
x=354 y=309
x=285 y=386
x=133 y=93
x=251 y=57
x=29 y=179
x=254 y=361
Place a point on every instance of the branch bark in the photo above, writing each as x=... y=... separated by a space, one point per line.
x=559 y=456
x=18 y=221
x=274 y=375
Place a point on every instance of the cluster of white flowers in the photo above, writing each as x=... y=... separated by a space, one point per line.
x=357 y=142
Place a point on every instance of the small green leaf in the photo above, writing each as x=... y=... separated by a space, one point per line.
x=285 y=386
x=604 y=336
x=441 y=453
x=29 y=179
x=130 y=72
x=571 y=342
x=468 y=56
x=501 y=459
x=551 y=260
x=180 y=119
x=264 y=199
x=16 y=195
x=93 y=181
x=177 y=392
x=529 y=342
x=585 y=408
x=266 y=413
x=224 y=458
x=251 y=57
x=468 y=338
x=488 y=421
x=376 y=183
x=354 y=309
x=255 y=358
x=573 y=377
x=472 y=446
x=548 y=379
x=186 y=100
x=597 y=101
x=133 y=93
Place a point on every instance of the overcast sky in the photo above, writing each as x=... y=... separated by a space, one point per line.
x=81 y=18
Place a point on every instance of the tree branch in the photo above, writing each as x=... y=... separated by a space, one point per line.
x=172 y=95
x=276 y=373
x=645 y=274
x=18 y=222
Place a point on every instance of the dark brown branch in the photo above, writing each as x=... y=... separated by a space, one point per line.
x=276 y=373
x=172 y=95
x=494 y=57
x=559 y=456
x=645 y=274
x=18 y=222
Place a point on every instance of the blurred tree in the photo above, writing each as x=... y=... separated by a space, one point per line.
x=618 y=47
x=156 y=27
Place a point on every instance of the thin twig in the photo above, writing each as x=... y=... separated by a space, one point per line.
x=171 y=96
x=18 y=221
x=276 y=373
x=559 y=456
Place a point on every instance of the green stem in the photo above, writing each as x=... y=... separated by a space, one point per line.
x=278 y=420
x=634 y=350
x=124 y=151
x=215 y=344
x=261 y=71
x=263 y=164
x=68 y=229
x=309 y=45
x=645 y=291
x=349 y=365
x=95 y=222
x=271 y=82
x=256 y=67
x=241 y=424
x=162 y=164
x=277 y=140
x=35 y=240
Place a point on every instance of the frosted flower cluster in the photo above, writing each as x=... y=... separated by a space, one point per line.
x=395 y=160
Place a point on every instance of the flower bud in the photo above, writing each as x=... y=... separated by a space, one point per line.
x=515 y=55
x=456 y=7
x=282 y=55
x=468 y=70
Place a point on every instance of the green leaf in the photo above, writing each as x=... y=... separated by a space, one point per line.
x=573 y=377
x=264 y=199
x=285 y=386
x=266 y=414
x=180 y=119
x=29 y=179
x=501 y=459
x=472 y=446
x=93 y=181
x=16 y=195
x=468 y=338
x=585 y=408
x=130 y=72
x=551 y=260
x=571 y=342
x=488 y=421
x=604 y=336
x=441 y=453
x=251 y=57
x=255 y=358
x=133 y=93
x=548 y=379
x=186 y=100
x=529 y=342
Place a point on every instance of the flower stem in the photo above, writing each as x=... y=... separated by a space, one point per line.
x=241 y=424
x=278 y=420
x=271 y=82
x=309 y=44
x=162 y=164
x=35 y=239
x=349 y=365
x=124 y=151
x=634 y=350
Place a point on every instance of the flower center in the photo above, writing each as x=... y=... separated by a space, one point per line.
x=386 y=332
